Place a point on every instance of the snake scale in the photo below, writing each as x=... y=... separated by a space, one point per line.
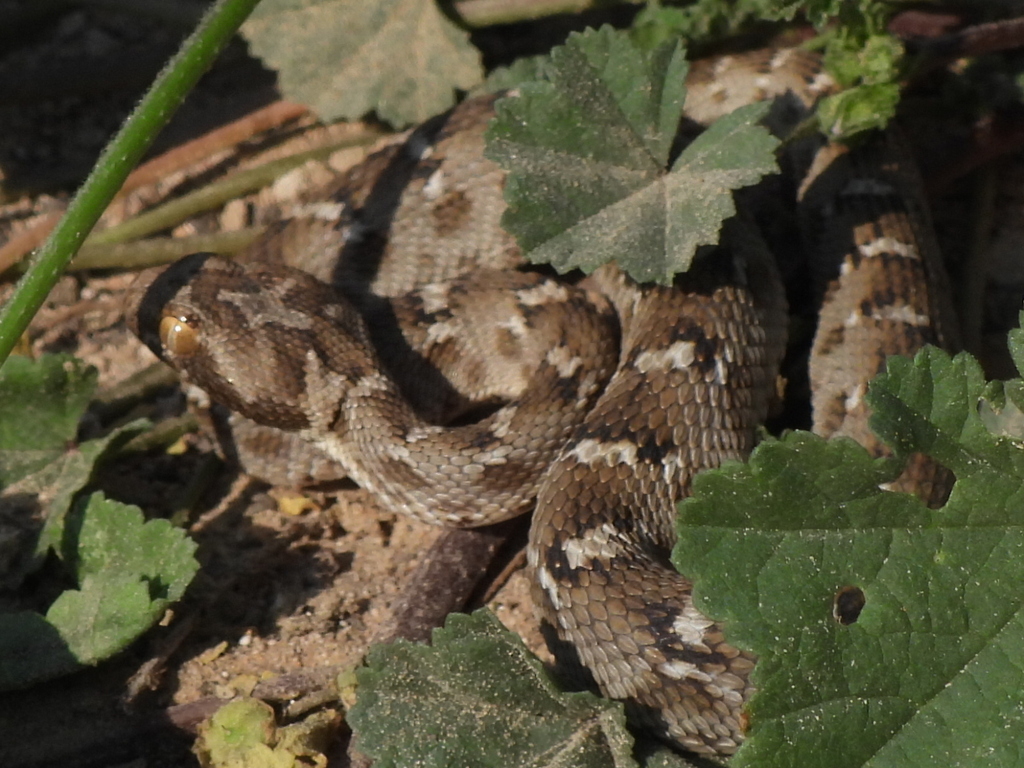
x=603 y=398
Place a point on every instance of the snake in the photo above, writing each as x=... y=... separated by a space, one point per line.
x=358 y=326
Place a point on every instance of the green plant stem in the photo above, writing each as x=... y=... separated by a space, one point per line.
x=120 y=156
x=154 y=251
x=219 y=192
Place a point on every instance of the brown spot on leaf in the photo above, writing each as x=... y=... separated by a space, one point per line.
x=848 y=603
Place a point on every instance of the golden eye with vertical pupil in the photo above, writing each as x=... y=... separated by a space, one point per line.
x=177 y=336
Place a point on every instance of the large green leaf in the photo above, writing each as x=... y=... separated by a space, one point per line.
x=345 y=58
x=477 y=697
x=587 y=151
x=888 y=634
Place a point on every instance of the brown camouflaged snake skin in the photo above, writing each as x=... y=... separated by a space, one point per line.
x=605 y=435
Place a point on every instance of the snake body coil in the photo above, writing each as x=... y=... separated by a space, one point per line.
x=605 y=436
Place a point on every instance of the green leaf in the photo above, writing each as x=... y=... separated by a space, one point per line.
x=129 y=572
x=32 y=650
x=115 y=537
x=518 y=72
x=44 y=496
x=477 y=697
x=656 y=25
x=703 y=19
x=244 y=734
x=106 y=613
x=41 y=402
x=1002 y=416
x=59 y=482
x=854 y=57
x=930 y=669
x=1015 y=342
x=240 y=734
x=345 y=58
x=859 y=109
x=867 y=62
x=931 y=404
x=734 y=152
x=861 y=15
x=587 y=152
x=1009 y=399
x=41 y=468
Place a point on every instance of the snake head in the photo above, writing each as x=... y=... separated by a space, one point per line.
x=149 y=304
x=252 y=336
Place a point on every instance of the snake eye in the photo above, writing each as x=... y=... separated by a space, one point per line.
x=178 y=336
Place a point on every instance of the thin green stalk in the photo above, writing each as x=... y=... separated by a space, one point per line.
x=121 y=155
x=154 y=251
x=217 y=193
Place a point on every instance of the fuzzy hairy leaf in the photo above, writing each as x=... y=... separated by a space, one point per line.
x=114 y=537
x=477 y=697
x=60 y=481
x=345 y=58
x=859 y=109
x=244 y=734
x=701 y=19
x=587 y=151
x=927 y=667
x=128 y=571
x=41 y=466
x=41 y=402
x=241 y=734
x=515 y=74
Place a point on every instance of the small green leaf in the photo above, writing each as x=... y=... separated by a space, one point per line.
x=867 y=62
x=115 y=537
x=703 y=19
x=107 y=612
x=1004 y=421
x=477 y=697
x=41 y=402
x=41 y=467
x=32 y=650
x=60 y=481
x=858 y=109
x=518 y=72
x=854 y=57
x=587 y=152
x=656 y=25
x=129 y=572
x=244 y=734
x=346 y=58
x=241 y=735
x=1015 y=341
